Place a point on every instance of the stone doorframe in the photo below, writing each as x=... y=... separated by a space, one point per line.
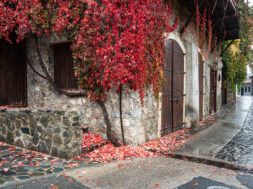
x=180 y=43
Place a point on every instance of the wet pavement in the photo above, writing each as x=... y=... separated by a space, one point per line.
x=160 y=172
x=229 y=138
x=240 y=148
x=213 y=139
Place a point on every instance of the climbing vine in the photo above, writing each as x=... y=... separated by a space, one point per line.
x=114 y=42
x=203 y=30
x=239 y=55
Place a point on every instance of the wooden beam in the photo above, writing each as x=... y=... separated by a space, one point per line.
x=232 y=3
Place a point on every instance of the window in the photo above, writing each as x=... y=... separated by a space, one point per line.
x=249 y=89
x=245 y=89
x=63 y=67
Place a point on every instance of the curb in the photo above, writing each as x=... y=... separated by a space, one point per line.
x=211 y=161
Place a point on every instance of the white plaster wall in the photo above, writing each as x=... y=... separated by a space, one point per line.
x=195 y=81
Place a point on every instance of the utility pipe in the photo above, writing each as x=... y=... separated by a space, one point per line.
x=120 y=110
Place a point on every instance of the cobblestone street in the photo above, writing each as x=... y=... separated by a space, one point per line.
x=17 y=164
x=240 y=148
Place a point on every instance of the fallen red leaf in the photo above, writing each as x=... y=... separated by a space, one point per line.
x=120 y=165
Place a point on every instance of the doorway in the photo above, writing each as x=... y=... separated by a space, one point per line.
x=173 y=91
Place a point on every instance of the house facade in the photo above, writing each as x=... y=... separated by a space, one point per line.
x=246 y=88
x=192 y=90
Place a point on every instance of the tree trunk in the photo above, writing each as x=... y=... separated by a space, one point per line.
x=110 y=136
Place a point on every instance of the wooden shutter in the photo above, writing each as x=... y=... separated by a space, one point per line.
x=63 y=67
x=12 y=74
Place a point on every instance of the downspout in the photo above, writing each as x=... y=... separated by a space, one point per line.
x=120 y=110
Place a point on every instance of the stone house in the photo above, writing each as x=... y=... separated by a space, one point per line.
x=52 y=123
x=246 y=88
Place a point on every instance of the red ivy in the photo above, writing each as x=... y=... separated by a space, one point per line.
x=200 y=31
x=115 y=42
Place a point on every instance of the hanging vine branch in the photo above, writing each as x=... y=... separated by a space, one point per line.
x=48 y=77
x=31 y=66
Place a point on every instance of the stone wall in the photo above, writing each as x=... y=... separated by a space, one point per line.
x=140 y=123
x=54 y=132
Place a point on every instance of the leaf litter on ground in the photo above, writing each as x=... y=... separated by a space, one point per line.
x=105 y=151
x=153 y=148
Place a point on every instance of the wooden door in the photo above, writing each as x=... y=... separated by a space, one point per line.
x=167 y=90
x=12 y=74
x=223 y=89
x=172 y=101
x=178 y=87
x=201 y=87
x=212 y=91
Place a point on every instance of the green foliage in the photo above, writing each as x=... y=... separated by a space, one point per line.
x=239 y=55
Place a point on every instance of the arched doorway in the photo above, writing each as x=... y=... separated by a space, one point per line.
x=173 y=91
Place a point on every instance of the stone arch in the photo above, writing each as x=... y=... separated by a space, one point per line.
x=176 y=121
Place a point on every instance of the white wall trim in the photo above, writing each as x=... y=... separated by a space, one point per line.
x=177 y=39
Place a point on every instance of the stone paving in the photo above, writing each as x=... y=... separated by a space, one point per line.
x=240 y=148
x=19 y=164
x=211 y=140
x=47 y=182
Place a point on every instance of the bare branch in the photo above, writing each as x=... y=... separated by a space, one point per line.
x=50 y=80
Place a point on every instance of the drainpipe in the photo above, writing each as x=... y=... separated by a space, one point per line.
x=120 y=110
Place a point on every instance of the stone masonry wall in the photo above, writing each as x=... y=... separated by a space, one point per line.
x=140 y=123
x=54 y=132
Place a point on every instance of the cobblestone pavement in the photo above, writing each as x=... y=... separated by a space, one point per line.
x=240 y=148
x=18 y=164
x=47 y=182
